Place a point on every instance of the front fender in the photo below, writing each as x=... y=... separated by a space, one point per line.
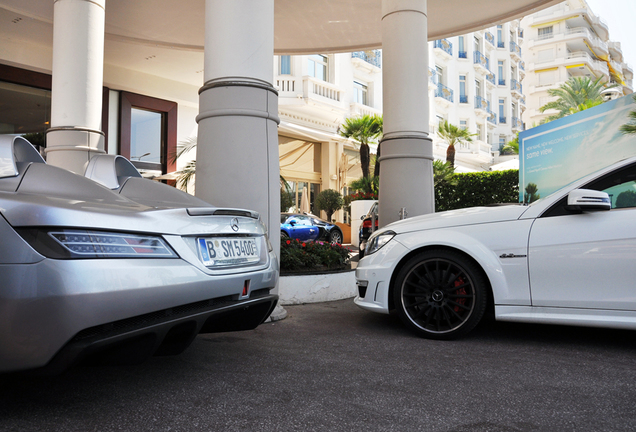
x=500 y=249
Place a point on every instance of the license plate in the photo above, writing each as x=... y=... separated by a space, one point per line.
x=219 y=251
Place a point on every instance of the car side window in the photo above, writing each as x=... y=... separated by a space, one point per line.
x=620 y=185
x=303 y=220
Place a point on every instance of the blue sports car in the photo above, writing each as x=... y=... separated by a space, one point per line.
x=308 y=227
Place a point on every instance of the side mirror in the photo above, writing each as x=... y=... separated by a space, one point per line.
x=588 y=200
x=293 y=222
x=362 y=217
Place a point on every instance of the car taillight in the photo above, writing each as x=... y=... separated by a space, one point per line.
x=367 y=223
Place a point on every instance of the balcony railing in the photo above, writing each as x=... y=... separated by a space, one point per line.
x=373 y=57
x=482 y=104
x=490 y=38
x=515 y=49
x=445 y=45
x=480 y=59
x=585 y=33
x=520 y=33
x=516 y=86
x=463 y=98
x=516 y=123
x=501 y=44
x=522 y=65
x=432 y=75
x=502 y=120
x=444 y=92
x=502 y=82
x=462 y=54
x=492 y=118
x=491 y=78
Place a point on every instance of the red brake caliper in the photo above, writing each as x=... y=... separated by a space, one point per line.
x=461 y=291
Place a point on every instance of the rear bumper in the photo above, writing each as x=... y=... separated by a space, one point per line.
x=60 y=311
x=165 y=332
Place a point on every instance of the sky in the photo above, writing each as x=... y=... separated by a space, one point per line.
x=620 y=16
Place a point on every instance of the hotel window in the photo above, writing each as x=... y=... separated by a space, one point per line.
x=545 y=32
x=477 y=44
x=462 y=49
x=463 y=97
x=502 y=141
x=500 y=41
x=319 y=67
x=26 y=109
x=500 y=72
x=360 y=92
x=479 y=132
x=284 y=65
x=477 y=88
x=502 y=110
x=463 y=124
x=148 y=132
x=440 y=74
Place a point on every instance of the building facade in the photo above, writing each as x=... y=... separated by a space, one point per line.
x=569 y=40
x=475 y=83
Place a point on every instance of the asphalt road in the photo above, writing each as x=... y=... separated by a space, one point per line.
x=334 y=367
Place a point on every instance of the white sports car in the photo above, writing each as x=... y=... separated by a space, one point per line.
x=569 y=258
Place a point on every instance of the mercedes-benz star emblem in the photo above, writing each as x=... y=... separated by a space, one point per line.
x=234 y=224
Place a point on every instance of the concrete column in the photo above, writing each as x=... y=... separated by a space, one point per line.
x=76 y=97
x=237 y=151
x=406 y=172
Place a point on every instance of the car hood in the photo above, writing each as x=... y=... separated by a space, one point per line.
x=452 y=218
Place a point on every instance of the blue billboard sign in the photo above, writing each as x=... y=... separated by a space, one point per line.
x=559 y=152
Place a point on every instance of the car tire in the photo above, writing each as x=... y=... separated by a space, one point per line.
x=335 y=236
x=440 y=294
x=284 y=235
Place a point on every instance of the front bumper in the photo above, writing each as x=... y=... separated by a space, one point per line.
x=373 y=277
x=56 y=312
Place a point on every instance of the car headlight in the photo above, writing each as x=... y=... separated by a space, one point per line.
x=77 y=243
x=376 y=241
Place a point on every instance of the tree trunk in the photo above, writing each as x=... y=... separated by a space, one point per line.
x=364 y=159
x=450 y=154
x=376 y=170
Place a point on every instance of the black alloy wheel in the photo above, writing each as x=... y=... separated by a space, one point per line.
x=440 y=294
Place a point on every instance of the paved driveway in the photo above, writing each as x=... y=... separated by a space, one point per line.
x=333 y=367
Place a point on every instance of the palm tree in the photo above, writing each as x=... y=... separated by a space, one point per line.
x=363 y=129
x=376 y=170
x=511 y=146
x=443 y=172
x=187 y=173
x=453 y=135
x=577 y=94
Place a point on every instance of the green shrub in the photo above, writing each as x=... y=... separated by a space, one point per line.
x=297 y=255
x=478 y=189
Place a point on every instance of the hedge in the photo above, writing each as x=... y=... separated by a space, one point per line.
x=478 y=189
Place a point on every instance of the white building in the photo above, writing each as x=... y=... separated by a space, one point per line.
x=569 y=40
x=475 y=83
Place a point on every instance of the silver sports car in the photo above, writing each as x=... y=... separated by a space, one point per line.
x=111 y=267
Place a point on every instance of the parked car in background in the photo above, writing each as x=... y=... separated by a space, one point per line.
x=365 y=227
x=117 y=268
x=567 y=258
x=308 y=227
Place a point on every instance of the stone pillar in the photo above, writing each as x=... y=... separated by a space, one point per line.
x=237 y=151
x=76 y=98
x=406 y=172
